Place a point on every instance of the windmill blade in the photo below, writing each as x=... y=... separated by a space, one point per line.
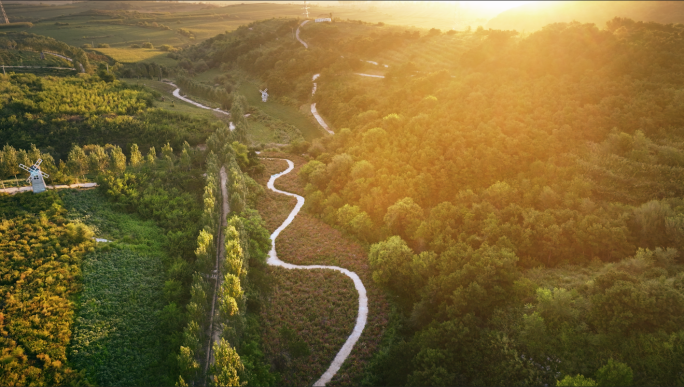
x=45 y=175
x=24 y=167
x=38 y=163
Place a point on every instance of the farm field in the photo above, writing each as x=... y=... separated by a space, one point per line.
x=30 y=58
x=119 y=338
x=133 y=55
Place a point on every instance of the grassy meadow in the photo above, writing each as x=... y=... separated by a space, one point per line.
x=290 y=114
x=118 y=339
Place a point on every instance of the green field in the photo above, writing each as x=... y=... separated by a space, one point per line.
x=133 y=55
x=107 y=22
x=118 y=338
x=289 y=114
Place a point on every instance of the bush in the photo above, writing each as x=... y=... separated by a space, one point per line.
x=614 y=373
x=87 y=45
x=147 y=45
x=103 y=45
x=166 y=47
x=577 y=380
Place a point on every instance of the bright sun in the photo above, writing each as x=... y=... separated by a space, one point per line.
x=492 y=7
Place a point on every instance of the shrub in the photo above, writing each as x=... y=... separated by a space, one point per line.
x=147 y=45
x=166 y=47
x=103 y=45
x=87 y=45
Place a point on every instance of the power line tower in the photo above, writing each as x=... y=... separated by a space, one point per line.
x=306 y=9
x=4 y=15
x=458 y=17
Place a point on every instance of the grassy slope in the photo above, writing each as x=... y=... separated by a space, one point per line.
x=118 y=338
x=290 y=114
x=204 y=21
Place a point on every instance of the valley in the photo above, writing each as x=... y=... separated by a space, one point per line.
x=412 y=202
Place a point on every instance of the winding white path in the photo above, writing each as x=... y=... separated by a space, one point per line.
x=301 y=41
x=176 y=93
x=315 y=112
x=370 y=75
x=273 y=260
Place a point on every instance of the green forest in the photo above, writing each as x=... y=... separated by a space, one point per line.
x=523 y=204
x=515 y=198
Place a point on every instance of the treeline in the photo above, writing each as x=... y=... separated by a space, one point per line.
x=41 y=253
x=214 y=94
x=145 y=70
x=55 y=113
x=236 y=356
x=525 y=212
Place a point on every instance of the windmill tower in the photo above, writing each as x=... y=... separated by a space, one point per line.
x=36 y=177
x=306 y=9
x=264 y=95
x=4 y=15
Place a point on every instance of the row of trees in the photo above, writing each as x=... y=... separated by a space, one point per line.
x=245 y=241
x=215 y=94
x=198 y=312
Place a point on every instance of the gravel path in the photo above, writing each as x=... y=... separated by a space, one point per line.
x=14 y=190
x=273 y=260
x=176 y=93
x=301 y=41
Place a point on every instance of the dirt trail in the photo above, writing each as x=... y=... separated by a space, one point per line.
x=176 y=93
x=273 y=260
x=301 y=41
x=214 y=332
x=13 y=190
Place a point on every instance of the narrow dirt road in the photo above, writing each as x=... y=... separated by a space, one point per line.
x=13 y=190
x=215 y=330
x=301 y=41
x=273 y=260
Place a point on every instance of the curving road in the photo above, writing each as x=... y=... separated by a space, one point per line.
x=273 y=260
x=176 y=93
x=301 y=41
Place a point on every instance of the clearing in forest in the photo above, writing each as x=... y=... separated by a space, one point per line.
x=310 y=313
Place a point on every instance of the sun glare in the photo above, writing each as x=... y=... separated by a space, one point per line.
x=493 y=7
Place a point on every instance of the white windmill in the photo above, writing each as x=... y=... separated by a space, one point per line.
x=264 y=95
x=36 y=177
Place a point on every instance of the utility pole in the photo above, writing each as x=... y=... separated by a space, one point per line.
x=4 y=15
x=306 y=9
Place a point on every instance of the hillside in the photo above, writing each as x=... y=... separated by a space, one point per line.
x=532 y=17
x=480 y=207
x=514 y=190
